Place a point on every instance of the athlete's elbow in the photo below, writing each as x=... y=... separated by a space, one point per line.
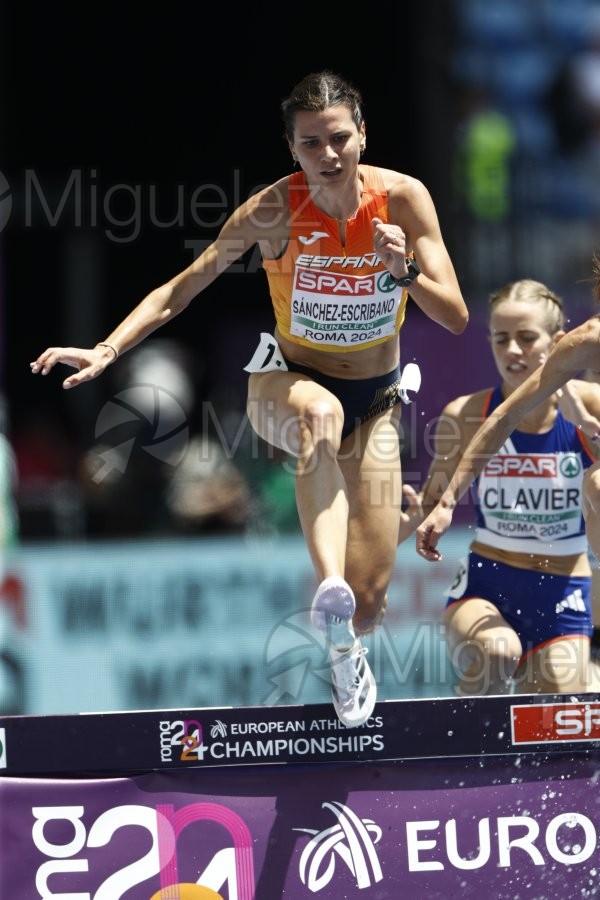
x=459 y=322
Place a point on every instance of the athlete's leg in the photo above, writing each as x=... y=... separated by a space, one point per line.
x=595 y=641
x=482 y=646
x=557 y=667
x=291 y=412
x=591 y=507
x=370 y=462
x=294 y=413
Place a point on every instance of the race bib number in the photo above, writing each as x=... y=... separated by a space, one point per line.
x=267 y=356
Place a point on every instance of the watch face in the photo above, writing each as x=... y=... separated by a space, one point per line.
x=413 y=271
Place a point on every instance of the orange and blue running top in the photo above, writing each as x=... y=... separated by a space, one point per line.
x=331 y=296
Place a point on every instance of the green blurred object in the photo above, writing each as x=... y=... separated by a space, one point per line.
x=278 y=494
x=484 y=163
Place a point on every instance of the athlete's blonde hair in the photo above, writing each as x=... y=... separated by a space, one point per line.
x=529 y=291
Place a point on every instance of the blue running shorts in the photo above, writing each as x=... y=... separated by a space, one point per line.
x=540 y=607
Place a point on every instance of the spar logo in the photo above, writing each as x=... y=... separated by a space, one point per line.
x=386 y=283
x=350 y=841
x=331 y=283
x=511 y=466
x=2 y=748
x=545 y=723
x=570 y=466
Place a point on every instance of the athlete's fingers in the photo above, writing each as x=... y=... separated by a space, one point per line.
x=45 y=361
x=388 y=235
x=411 y=496
x=426 y=541
x=88 y=363
x=70 y=356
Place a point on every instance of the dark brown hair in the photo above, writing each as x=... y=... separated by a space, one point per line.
x=317 y=92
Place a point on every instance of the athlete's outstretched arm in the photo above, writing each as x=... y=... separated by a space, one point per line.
x=579 y=349
x=455 y=426
x=244 y=228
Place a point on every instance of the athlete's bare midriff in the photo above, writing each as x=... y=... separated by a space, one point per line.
x=575 y=565
x=365 y=363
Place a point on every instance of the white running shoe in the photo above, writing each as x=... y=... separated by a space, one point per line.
x=353 y=687
x=332 y=609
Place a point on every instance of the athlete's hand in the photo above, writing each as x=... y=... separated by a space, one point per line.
x=389 y=243
x=574 y=409
x=431 y=530
x=89 y=363
x=412 y=515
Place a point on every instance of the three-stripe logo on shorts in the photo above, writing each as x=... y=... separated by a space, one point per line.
x=572 y=601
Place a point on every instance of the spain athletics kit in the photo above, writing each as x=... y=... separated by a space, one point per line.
x=331 y=296
x=529 y=498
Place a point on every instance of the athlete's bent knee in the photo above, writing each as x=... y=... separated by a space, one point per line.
x=484 y=665
x=324 y=419
x=370 y=611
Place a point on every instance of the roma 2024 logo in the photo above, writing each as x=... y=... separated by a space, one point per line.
x=231 y=867
x=228 y=871
x=181 y=740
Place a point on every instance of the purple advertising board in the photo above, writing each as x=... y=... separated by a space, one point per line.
x=518 y=823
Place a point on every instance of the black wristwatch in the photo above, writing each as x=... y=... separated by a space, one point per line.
x=413 y=271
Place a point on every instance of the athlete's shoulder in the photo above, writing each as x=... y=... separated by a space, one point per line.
x=468 y=406
x=401 y=186
x=264 y=215
x=271 y=198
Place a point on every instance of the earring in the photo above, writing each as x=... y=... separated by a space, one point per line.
x=363 y=147
x=296 y=163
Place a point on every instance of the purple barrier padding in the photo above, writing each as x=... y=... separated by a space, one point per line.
x=470 y=827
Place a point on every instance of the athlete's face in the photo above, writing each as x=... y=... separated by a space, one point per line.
x=327 y=145
x=520 y=339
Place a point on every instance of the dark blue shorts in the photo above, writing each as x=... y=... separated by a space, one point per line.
x=361 y=399
x=538 y=606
